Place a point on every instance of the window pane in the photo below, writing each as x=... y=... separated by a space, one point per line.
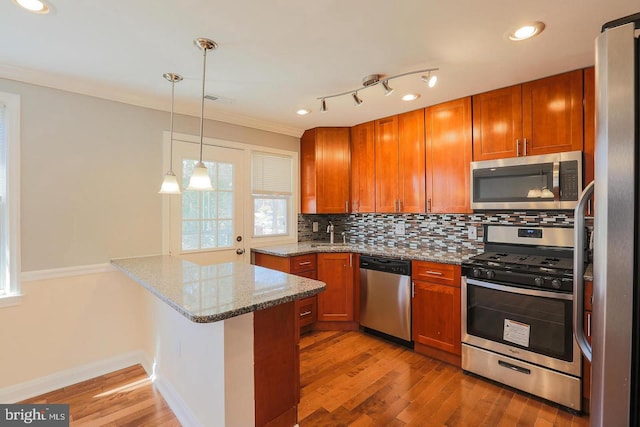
x=190 y=235
x=225 y=176
x=225 y=234
x=225 y=206
x=270 y=216
x=209 y=234
x=209 y=203
x=190 y=202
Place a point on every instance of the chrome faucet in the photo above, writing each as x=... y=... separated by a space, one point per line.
x=330 y=231
x=344 y=237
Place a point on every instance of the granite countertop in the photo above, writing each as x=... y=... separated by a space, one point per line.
x=211 y=293
x=433 y=255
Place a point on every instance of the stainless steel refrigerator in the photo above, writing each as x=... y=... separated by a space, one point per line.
x=615 y=324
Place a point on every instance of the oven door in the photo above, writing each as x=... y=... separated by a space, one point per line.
x=531 y=325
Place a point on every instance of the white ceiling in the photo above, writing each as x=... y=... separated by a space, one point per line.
x=277 y=56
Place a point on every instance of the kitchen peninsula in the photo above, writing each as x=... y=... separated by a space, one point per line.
x=225 y=338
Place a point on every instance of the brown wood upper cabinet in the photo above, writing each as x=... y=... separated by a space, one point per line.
x=448 y=154
x=325 y=170
x=539 y=117
x=400 y=163
x=363 y=196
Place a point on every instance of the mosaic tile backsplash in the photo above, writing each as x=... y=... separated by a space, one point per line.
x=447 y=232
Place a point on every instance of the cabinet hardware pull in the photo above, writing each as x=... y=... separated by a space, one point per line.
x=588 y=324
x=413 y=289
x=306 y=313
x=399 y=205
x=436 y=273
x=429 y=205
x=517 y=148
x=304 y=263
x=350 y=260
x=525 y=146
x=346 y=206
x=589 y=207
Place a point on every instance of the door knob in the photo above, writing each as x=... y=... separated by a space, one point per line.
x=240 y=251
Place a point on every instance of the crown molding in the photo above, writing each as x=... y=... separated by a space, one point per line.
x=112 y=93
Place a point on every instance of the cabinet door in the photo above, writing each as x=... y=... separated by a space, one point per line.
x=363 y=168
x=497 y=123
x=336 y=302
x=386 y=164
x=411 y=162
x=436 y=316
x=552 y=114
x=448 y=130
x=332 y=170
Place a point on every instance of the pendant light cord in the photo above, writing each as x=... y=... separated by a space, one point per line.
x=204 y=74
x=173 y=85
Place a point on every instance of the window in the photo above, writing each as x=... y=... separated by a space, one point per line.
x=9 y=197
x=207 y=216
x=271 y=191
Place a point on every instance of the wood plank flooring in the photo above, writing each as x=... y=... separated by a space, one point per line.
x=123 y=398
x=353 y=379
x=347 y=379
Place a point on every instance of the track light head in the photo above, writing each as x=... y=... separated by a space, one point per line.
x=430 y=79
x=388 y=90
x=323 y=105
x=356 y=99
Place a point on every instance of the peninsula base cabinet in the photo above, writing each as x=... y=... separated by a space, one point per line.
x=436 y=310
x=300 y=265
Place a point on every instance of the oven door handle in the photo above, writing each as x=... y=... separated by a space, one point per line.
x=578 y=272
x=520 y=291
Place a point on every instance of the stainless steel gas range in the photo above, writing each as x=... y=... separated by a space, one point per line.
x=517 y=322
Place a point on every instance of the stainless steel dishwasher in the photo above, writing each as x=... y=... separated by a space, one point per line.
x=385 y=296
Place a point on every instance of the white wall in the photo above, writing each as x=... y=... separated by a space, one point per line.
x=90 y=172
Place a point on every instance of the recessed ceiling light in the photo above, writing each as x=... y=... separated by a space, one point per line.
x=527 y=31
x=35 y=6
x=303 y=112
x=411 y=97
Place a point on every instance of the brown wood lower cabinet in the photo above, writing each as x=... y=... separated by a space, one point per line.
x=336 y=303
x=436 y=310
x=276 y=366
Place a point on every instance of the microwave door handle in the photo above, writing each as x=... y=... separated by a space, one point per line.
x=556 y=181
x=578 y=272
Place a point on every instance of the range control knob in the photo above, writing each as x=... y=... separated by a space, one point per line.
x=477 y=272
x=490 y=274
x=556 y=283
x=539 y=281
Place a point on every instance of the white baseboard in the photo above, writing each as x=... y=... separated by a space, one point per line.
x=179 y=407
x=38 y=386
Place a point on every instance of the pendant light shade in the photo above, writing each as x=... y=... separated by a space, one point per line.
x=200 y=180
x=170 y=183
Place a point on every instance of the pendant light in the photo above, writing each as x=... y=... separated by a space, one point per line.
x=170 y=183
x=200 y=180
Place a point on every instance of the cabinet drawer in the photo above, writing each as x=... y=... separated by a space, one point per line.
x=302 y=263
x=434 y=272
x=307 y=311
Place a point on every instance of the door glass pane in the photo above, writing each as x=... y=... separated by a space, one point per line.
x=207 y=216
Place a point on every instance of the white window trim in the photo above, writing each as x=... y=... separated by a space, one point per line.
x=12 y=103
x=250 y=241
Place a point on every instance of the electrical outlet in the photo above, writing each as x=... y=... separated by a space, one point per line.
x=400 y=230
x=472 y=232
x=315 y=227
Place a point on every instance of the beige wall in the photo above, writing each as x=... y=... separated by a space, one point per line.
x=90 y=173
x=91 y=169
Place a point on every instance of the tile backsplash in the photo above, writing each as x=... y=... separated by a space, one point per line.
x=447 y=232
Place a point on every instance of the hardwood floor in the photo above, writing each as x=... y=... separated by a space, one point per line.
x=352 y=379
x=123 y=398
x=347 y=379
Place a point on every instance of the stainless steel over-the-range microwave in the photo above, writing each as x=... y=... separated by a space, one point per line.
x=550 y=181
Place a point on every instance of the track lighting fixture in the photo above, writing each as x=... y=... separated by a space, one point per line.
x=200 y=180
x=170 y=182
x=373 y=79
x=388 y=90
x=356 y=99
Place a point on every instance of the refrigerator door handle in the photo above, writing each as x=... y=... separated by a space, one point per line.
x=578 y=272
